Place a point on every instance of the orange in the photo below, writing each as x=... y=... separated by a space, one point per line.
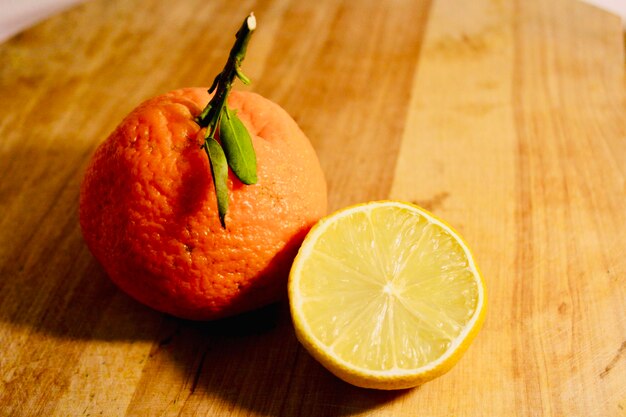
x=148 y=209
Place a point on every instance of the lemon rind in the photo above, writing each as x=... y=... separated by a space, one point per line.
x=395 y=377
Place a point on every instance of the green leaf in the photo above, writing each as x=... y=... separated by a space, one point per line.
x=243 y=77
x=219 y=169
x=238 y=146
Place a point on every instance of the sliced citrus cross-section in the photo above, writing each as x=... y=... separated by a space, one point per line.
x=385 y=295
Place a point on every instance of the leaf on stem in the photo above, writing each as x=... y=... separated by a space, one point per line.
x=243 y=77
x=237 y=146
x=234 y=136
x=219 y=169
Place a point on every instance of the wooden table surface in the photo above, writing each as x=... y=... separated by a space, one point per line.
x=506 y=118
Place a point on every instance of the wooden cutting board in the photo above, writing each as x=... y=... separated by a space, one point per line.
x=505 y=118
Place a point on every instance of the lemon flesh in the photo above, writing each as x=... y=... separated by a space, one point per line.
x=385 y=295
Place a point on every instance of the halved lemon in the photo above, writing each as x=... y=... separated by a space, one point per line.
x=385 y=295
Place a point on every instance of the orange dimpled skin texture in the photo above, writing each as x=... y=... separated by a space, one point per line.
x=148 y=208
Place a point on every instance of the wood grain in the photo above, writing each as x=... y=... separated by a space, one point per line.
x=505 y=118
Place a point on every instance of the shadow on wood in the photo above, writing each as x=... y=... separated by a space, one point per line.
x=50 y=282
x=252 y=361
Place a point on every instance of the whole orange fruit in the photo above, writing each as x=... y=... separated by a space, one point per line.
x=148 y=208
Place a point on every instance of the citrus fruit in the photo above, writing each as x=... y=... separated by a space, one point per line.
x=385 y=295
x=148 y=208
